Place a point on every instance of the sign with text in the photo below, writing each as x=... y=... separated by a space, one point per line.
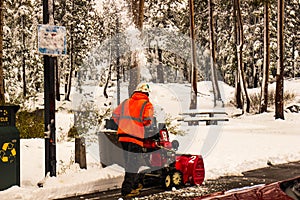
x=4 y=117
x=52 y=40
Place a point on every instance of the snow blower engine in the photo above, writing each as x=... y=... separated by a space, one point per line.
x=166 y=166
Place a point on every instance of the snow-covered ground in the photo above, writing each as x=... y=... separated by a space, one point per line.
x=245 y=142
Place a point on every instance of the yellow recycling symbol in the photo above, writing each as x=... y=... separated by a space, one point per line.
x=8 y=152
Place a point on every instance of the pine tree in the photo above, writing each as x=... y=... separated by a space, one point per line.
x=266 y=67
x=81 y=34
x=22 y=66
x=279 y=101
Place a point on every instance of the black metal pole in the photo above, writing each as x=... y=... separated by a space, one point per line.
x=49 y=103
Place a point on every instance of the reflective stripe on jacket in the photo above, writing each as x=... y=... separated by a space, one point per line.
x=131 y=116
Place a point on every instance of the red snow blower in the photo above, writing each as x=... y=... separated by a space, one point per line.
x=164 y=165
x=170 y=168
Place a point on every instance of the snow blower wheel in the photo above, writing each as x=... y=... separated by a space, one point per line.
x=167 y=181
x=177 y=179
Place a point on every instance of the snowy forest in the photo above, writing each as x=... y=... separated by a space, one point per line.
x=249 y=43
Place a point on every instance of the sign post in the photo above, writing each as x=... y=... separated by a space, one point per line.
x=51 y=43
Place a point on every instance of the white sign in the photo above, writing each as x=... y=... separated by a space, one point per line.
x=52 y=40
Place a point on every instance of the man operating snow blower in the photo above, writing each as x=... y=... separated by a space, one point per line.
x=132 y=116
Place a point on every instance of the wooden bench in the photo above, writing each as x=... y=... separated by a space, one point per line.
x=196 y=116
x=208 y=120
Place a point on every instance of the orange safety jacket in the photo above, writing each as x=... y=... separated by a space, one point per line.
x=131 y=116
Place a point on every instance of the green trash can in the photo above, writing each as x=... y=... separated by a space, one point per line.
x=9 y=148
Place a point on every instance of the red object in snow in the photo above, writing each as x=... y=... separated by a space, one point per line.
x=281 y=190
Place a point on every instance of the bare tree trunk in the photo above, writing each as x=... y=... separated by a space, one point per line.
x=238 y=91
x=160 y=71
x=66 y=83
x=185 y=71
x=237 y=78
x=265 y=81
x=107 y=82
x=193 y=104
x=255 y=77
x=294 y=56
x=24 y=76
x=246 y=100
x=118 y=61
x=2 y=98
x=214 y=79
x=141 y=15
x=138 y=17
x=69 y=81
x=70 y=75
x=23 y=59
x=279 y=101
x=69 y=84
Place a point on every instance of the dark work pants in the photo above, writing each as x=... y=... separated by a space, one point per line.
x=133 y=161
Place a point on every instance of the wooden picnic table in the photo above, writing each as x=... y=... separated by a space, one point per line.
x=196 y=116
